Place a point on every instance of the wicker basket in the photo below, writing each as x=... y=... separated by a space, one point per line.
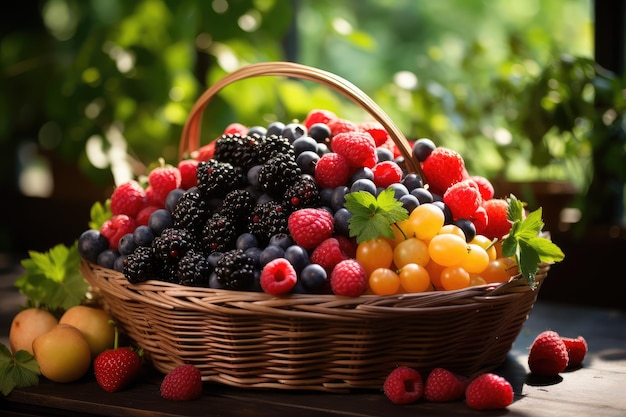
x=313 y=342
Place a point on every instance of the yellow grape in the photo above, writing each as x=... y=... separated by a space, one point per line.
x=448 y=249
x=409 y=251
x=454 y=278
x=453 y=229
x=414 y=278
x=434 y=271
x=401 y=231
x=496 y=271
x=476 y=280
x=373 y=254
x=476 y=260
x=484 y=242
x=384 y=281
x=426 y=220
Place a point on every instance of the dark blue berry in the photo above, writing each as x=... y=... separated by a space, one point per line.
x=409 y=202
x=143 y=235
x=363 y=185
x=314 y=277
x=246 y=240
x=326 y=196
x=275 y=128
x=172 y=198
x=322 y=149
x=254 y=253
x=293 y=131
x=320 y=132
x=127 y=244
x=412 y=181
x=118 y=265
x=306 y=161
x=281 y=239
x=304 y=143
x=160 y=220
x=423 y=195
x=270 y=253
x=107 y=258
x=257 y=130
x=297 y=256
x=341 y=220
x=467 y=227
x=422 y=148
x=384 y=154
x=448 y=218
x=398 y=190
x=252 y=176
x=361 y=173
x=91 y=244
x=339 y=197
x=213 y=258
x=214 y=283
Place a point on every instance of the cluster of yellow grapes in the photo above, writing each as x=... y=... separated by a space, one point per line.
x=427 y=255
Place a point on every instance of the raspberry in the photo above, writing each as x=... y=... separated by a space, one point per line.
x=278 y=277
x=348 y=278
x=357 y=147
x=497 y=223
x=548 y=354
x=310 y=226
x=128 y=199
x=332 y=170
x=144 y=214
x=235 y=128
x=484 y=186
x=391 y=145
x=386 y=173
x=442 y=168
x=576 y=350
x=463 y=198
x=378 y=132
x=163 y=180
x=340 y=125
x=489 y=391
x=183 y=383
x=188 y=169
x=347 y=245
x=205 y=152
x=479 y=219
x=117 y=226
x=443 y=385
x=403 y=385
x=318 y=116
x=328 y=254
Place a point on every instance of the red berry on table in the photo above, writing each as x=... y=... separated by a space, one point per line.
x=128 y=198
x=278 y=277
x=116 y=368
x=162 y=180
x=332 y=170
x=386 y=173
x=310 y=226
x=328 y=254
x=576 y=350
x=348 y=278
x=442 y=385
x=358 y=148
x=548 y=354
x=183 y=383
x=463 y=198
x=489 y=391
x=404 y=385
x=498 y=224
x=117 y=226
x=442 y=168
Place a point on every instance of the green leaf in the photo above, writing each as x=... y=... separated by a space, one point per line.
x=372 y=216
x=99 y=213
x=17 y=371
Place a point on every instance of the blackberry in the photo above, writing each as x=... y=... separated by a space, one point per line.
x=302 y=193
x=237 y=205
x=273 y=145
x=139 y=265
x=190 y=212
x=171 y=245
x=194 y=270
x=278 y=173
x=215 y=178
x=219 y=234
x=235 y=270
x=238 y=150
x=268 y=219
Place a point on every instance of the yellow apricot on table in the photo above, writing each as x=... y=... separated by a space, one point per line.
x=94 y=324
x=63 y=354
x=27 y=325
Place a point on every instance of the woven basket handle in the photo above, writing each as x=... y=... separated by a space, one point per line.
x=190 y=139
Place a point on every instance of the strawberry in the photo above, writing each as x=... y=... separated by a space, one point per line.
x=348 y=278
x=403 y=385
x=310 y=226
x=332 y=170
x=162 y=180
x=443 y=385
x=576 y=350
x=463 y=198
x=278 y=277
x=442 y=168
x=548 y=354
x=498 y=224
x=489 y=391
x=116 y=368
x=484 y=185
x=128 y=198
x=182 y=383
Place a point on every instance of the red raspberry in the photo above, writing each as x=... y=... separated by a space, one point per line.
x=278 y=277
x=357 y=147
x=489 y=391
x=319 y=116
x=348 y=278
x=391 y=146
x=443 y=385
x=310 y=226
x=235 y=128
x=484 y=186
x=479 y=218
x=332 y=170
x=128 y=199
x=347 y=245
x=328 y=254
x=442 y=168
x=144 y=215
x=163 y=180
x=498 y=224
x=548 y=354
x=205 y=152
x=183 y=383
x=576 y=350
x=378 y=132
x=188 y=169
x=463 y=198
x=404 y=385
x=340 y=125
x=386 y=173
x=116 y=227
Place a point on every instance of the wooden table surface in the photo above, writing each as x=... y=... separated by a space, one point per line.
x=597 y=389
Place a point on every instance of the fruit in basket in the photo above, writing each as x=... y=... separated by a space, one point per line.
x=117 y=367
x=404 y=385
x=94 y=325
x=488 y=392
x=27 y=325
x=183 y=383
x=63 y=354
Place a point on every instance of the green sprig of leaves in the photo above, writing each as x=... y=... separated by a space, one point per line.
x=17 y=371
x=373 y=216
x=525 y=243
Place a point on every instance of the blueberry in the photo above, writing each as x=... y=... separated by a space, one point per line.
x=213 y=282
x=306 y=161
x=143 y=235
x=275 y=128
x=293 y=131
x=253 y=176
x=341 y=219
x=257 y=130
x=254 y=252
x=412 y=181
x=409 y=202
x=281 y=239
x=107 y=258
x=467 y=227
x=398 y=190
x=361 y=173
x=270 y=253
x=297 y=256
x=127 y=244
x=326 y=196
x=422 y=148
x=448 y=218
x=322 y=149
x=304 y=143
x=160 y=220
x=339 y=197
x=246 y=241
x=363 y=185
x=314 y=277
x=384 y=154
x=91 y=244
x=172 y=198
x=423 y=195
x=118 y=265
x=320 y=132
x=213 y=258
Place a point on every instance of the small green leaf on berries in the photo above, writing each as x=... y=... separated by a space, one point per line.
x=373 y=217
x=17 y=371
